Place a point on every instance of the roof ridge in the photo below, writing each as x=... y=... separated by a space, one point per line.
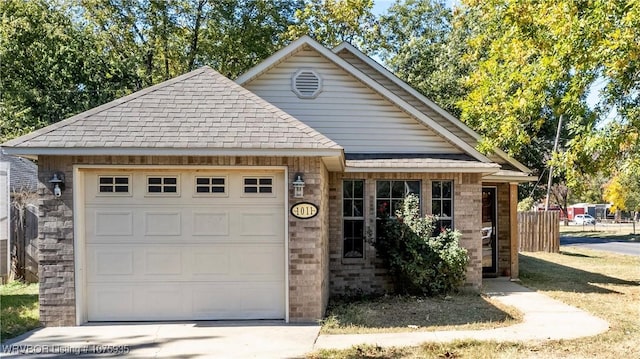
x=104 y=107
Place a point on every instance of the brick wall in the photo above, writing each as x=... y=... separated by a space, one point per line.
x=352 y=276
x=308 y=257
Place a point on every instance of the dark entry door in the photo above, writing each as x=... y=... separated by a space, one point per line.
x=489 y=231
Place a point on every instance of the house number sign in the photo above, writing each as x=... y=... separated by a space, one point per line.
x=304 y=210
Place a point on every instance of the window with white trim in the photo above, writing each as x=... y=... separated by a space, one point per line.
x=258 y=185
x=211 y=185
x=442 y=204
x=111 y=184
x=390 y=194
x=353 y=218
x=162 y=185
x=389 y=197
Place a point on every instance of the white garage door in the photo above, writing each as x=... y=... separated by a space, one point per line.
x=184 y=245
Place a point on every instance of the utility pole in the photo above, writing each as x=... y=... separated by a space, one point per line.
x=555 y=148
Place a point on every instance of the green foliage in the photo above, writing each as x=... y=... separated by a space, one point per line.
x=50 y=68
x=526 y=204
x=420 y=262
x=417 y=41
x=333 y=21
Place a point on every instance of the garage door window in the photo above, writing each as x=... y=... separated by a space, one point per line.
x=162 y=185
x=258 y=185
x=211 y=186
x=109 y=185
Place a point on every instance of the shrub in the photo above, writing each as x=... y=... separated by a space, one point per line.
x=420 y=261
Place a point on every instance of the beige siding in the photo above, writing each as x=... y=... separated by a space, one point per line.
x=409 y=98
x=347 y=111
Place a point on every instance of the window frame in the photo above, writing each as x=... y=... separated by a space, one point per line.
x=162 y=193
x=129 y=192
x=258 y=186
x=353 y=219
x=439 y=218
x=225 y=185
x=391 y=198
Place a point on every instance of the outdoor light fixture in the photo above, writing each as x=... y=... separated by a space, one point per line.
x=57 y=181
x=298 y=186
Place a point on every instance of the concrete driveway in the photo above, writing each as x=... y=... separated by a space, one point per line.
x=216 y=339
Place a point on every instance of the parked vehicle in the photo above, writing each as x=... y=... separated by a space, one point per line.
x=584 y=219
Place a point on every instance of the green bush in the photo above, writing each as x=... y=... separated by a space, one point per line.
x=421 y=261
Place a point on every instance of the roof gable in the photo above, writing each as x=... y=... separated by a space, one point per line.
x=201 y=110
x=345 y=110
x=390 y=81
x=306 y=41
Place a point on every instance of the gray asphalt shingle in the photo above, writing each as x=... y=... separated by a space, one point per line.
x=201 y=109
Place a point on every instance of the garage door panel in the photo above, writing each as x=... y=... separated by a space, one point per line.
x=113 y=262
x=162 y=223
x=110 y=223
x=162 y=262
x=234 y=301
x=264 y=262
x=196 y=261
x=211 y=262
x=185 y=257
x=110 y=302
x=210 y=223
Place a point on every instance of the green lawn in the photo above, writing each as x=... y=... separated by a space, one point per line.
x=18 y=309
x=604 y=284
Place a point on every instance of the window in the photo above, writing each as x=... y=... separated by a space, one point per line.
x=353 y=218
x=114 y=184
x=390 y=194
x=162 y=185
x=442 y=204
x=258 y=185
x=210 y=185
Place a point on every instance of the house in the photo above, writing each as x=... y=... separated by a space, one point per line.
x=18 y=178
x=204 y=198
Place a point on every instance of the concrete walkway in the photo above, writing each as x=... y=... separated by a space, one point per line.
x=544 y=319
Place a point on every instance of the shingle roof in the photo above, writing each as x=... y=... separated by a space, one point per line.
x=199 y=110
x=23 y=174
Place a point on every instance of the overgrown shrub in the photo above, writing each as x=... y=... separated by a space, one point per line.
x=420 y=261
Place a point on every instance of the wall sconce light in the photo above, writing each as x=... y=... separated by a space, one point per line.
x=57 y=183
x=298 y=186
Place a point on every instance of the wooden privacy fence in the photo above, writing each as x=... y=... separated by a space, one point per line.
x=539 y=231
x=24 y=246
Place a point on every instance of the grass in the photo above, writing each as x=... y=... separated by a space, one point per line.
x=404 y=313
x=18 y=309
x=604 y=284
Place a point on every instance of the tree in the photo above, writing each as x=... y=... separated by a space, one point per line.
x=51 y=67
x=418 y=42
x=239 y=34
x=333 y=21
x=532 y=68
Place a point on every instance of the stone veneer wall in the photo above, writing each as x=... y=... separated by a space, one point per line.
x=308 y=268
x=354 y=276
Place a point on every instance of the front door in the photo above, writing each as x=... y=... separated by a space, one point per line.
x=489 y=232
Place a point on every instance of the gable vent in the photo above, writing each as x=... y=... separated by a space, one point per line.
x=306 y=83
